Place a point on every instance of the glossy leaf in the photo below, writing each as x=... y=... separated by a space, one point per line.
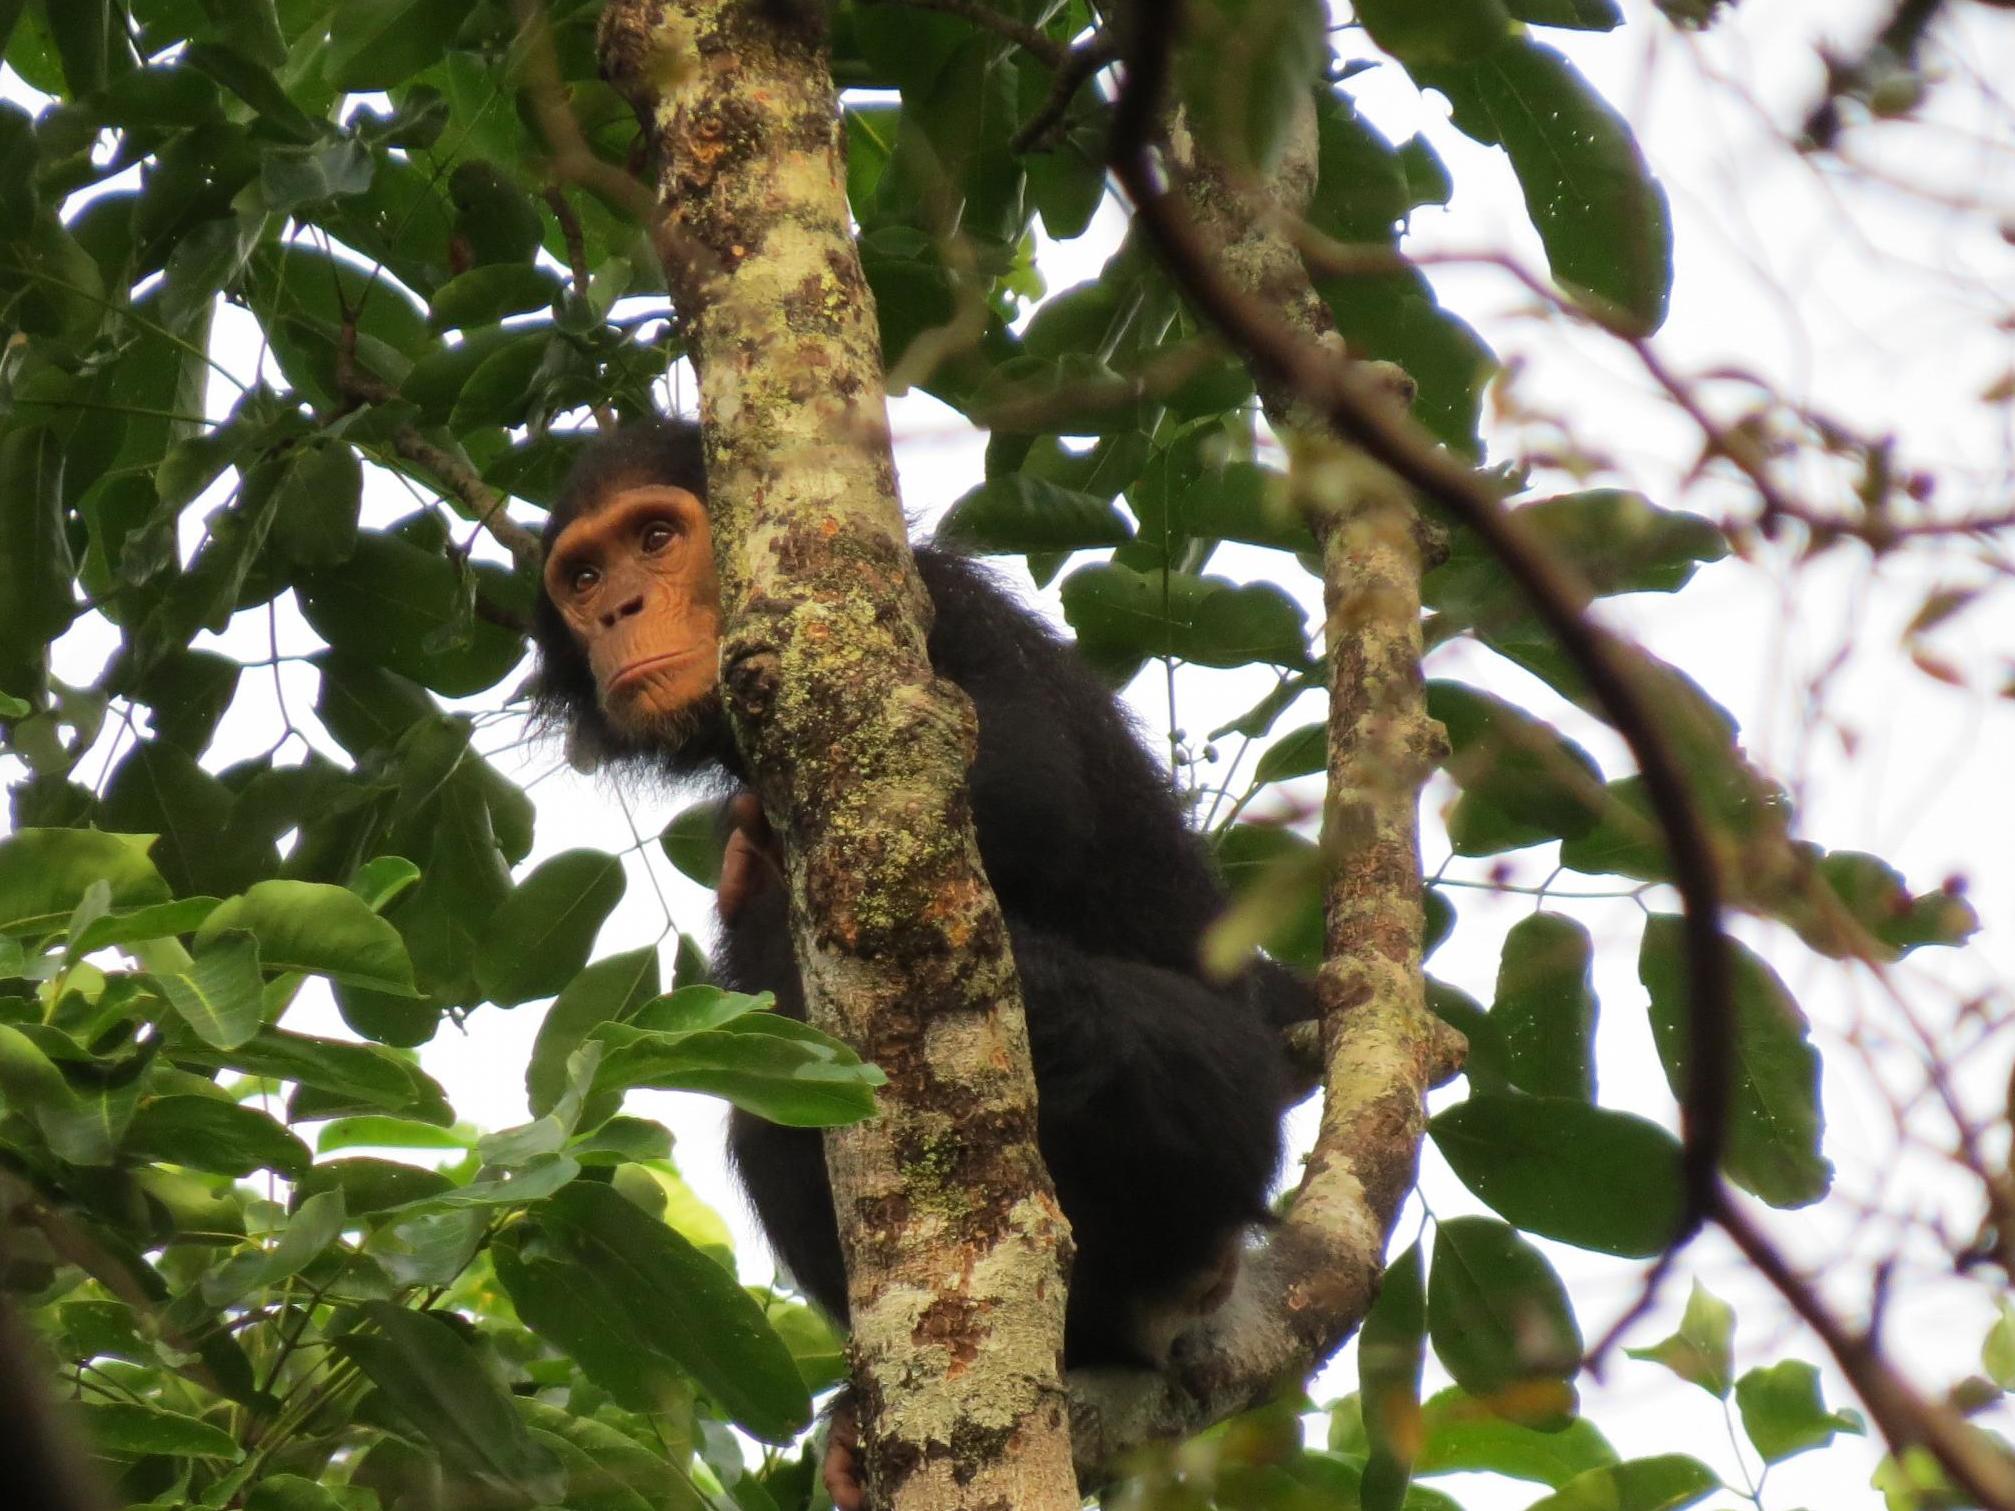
x=703 y=1319
x=534 y=943
x=209 y=1133
x=1017 y=513
x=1598 y=210
x=1567 y=1170
x=693 y=842
x=318 y=928
x=1390 y=1352
x=313 y=1227
x=1774 y=1119
x=133 y=1429
x=43 y=872
x=1522 y=782
x=437 y=1382
x=780 y=1070
x=1117 y=611
x=219 y=996
x=1665 y=1483
x=1501 y=1322
x=486 y=294
x=1544 y=1012
x=1784 y=1414
x=1702 y=1351
x=607 y=991
x=1460 y=1434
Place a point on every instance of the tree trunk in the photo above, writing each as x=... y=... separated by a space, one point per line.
x=953 y=1239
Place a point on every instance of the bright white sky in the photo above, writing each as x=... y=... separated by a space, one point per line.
x=1868 y=302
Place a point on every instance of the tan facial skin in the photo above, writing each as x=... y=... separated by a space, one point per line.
x=635 y=582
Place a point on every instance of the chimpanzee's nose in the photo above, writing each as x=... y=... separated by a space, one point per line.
x=623 y=610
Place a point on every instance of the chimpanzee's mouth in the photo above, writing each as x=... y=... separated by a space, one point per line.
x=638 y=671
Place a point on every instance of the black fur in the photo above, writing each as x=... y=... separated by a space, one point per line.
x=1159 y=1092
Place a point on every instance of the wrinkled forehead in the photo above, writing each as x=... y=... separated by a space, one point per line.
x=621 y=501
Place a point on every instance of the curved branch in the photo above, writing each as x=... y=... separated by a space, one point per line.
x=1350 y=398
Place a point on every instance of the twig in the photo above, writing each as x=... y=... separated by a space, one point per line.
x=1072 y=65
x=577 y=264
x=1905 y=1417
x=1029 y=38
x=574 y=161
x=1354 y=402
x=482 y=502
x=1895 y=46
x=1084 y=60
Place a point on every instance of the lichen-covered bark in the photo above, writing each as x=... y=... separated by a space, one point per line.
x=952 y=1234
x=1309 y=1285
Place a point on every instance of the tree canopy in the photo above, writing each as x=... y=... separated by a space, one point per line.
x=267 y=265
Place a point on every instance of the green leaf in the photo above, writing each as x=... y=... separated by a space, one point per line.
x=370 y=1186
x=319 y=493
x=496 y=217
x=1446 y=33
x=1299 y=752
x=1118 y=612
x=373 y=1132
x=693 y=843
x=1502 y=1324
x=1558 y=1167
x=1599 y=212
x=375 y=44
x=1703 y=1350
x=131 y=1430
x=607 y=991
x=702 y=1318
x=1665 y=1483
x=782 y=1070
x=1522 y=782
x=314 y=1226
x=503 y=387
x=289 y=179
x=1544 y=1012
x=621 y=1466
x=164 y=790
x=28 y=1077
x=1576 y=15
x=208 y=1133
x=536 y=942
x=161 y=921
x=1390 y=1352
x=320 y=929
x=36 y=568
x=1774 y=1120
x=219 y=996
x=1459 y=1434
x=44 y=871
x=291 y=1492
x=1784 y=1413
x=484 y=295
x=437 y=1382
x=1018 y=513
x=381 y=879
x=403 y=608
x=1997 y=1353
x=1618 y=540
x=354 y=1072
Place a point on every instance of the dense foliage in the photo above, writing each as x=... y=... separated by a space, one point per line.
x=245 y=1308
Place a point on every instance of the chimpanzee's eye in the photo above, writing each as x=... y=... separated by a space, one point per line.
x=583 y=579
x=657 y=535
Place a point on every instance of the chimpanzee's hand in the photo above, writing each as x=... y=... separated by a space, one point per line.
x=751 y=861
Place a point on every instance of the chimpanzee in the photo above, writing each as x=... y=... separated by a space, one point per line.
x=1159 y=1090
